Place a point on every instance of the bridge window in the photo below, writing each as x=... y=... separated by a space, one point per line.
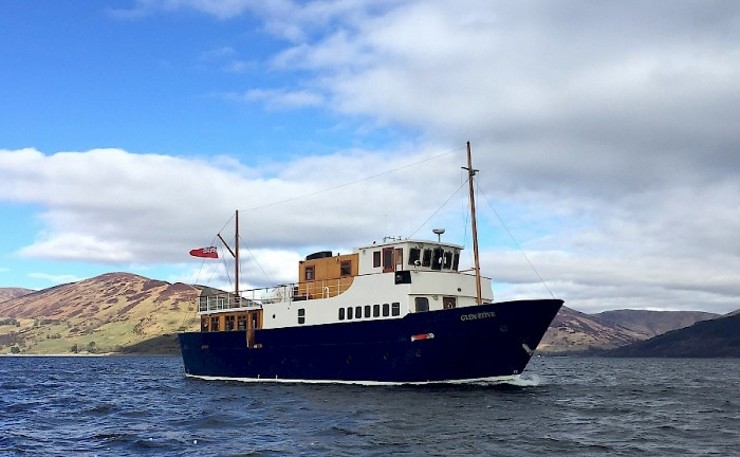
x=456 y=261
x=399 y=259
x=345 y=268
x=448 y=260
x=301 y=315
x=422 y=304
x=437 y=259
x=427 y=259
x=414 y=256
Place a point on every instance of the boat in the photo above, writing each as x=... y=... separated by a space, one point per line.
x=398 y=311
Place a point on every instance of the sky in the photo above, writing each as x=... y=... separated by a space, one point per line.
x=605 y=134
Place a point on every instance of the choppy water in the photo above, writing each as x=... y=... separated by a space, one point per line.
x=562 y=406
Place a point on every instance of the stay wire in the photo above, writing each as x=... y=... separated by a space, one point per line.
x=437 y=210
x=516 y=242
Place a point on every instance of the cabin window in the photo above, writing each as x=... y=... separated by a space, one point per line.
x=345 y=268
x=437 y=259
x=399 y=259
x=456 y=261
x=388 y=264
x=422 y=304
x=376 y=310
x=214 y=324
x=376 y=259
x=426 y=261
x=241 y=322
x=414 y=256
x=358 y=312
x=448 y=260
x=341 y=314
x=350 y=312
x=230 y=323
x=310 y=273
x=301 y=315
x=204 y=324
x=386 y=310
x=367 y=310
x=395 y=309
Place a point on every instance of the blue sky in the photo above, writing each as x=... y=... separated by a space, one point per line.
x=605 y=134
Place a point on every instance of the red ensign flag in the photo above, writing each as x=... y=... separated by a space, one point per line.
x=209 y=251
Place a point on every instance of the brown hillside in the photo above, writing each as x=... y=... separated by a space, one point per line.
x=651 y=323
x=6 y=293
x=573 y=331
x=100 y=314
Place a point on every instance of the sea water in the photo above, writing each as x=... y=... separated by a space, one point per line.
x=561 y=406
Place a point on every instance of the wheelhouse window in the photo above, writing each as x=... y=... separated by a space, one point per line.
x=437 y=259
x=456 y=261
x=414 y=256
x=345 y=268
x=399 y=259
x=426 y=261
x=421 y=304
x=376 y=259
x=395 y=309
x=301 y=315
x=448 y=260
x=310 y=273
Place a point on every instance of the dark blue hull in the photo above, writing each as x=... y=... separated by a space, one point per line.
x=493 y=340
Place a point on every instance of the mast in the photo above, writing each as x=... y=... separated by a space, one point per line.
x=474 y=223
x=236 y=260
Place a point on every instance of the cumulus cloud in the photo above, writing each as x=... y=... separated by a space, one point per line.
x=605 y=133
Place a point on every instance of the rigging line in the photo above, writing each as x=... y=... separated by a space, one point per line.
x=516 y=242
x=437 y=210
x=259 y=265
x=339 y=186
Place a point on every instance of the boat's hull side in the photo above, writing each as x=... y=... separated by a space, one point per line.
x=493 y=340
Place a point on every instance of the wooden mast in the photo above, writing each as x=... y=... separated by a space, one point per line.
x=236 y=261
x=235 y=254
x=474 y=223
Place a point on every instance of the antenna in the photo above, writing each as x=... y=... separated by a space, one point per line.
x=438 y=232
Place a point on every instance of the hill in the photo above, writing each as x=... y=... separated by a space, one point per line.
x=101 y=314
x=714 y=338
x=651 y=323
x=6 y=293
x=575 y=332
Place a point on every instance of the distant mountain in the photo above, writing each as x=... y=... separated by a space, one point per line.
x=651 y=323
x=575 y=332
x=101 y=314
x=714 y=338
x=6 y=293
